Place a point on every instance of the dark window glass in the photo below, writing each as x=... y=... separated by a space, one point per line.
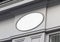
x=55 y=38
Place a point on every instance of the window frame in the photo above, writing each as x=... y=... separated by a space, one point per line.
x=40 y=36
x=48 y=35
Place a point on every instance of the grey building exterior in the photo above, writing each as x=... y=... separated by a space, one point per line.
x=48 y=31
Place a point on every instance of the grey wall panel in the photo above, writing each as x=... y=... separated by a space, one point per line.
x=7 y=27
x=53 y=16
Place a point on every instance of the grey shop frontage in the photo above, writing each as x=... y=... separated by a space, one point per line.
x=47 y=29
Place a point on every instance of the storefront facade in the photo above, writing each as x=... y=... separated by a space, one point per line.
x=47 y=31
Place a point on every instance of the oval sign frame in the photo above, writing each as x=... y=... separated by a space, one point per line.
x=32 y=28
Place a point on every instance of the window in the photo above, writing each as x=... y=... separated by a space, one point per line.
x=29 y=21
x=55 y=38
x=31 y=38
x=36 y=38
x=18 y=40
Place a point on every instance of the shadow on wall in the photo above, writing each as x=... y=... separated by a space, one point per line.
x=10 y=13
x=7 y=41
x=51 y=3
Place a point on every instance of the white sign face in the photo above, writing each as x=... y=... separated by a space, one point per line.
x=15 y=4
x=29 y=21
